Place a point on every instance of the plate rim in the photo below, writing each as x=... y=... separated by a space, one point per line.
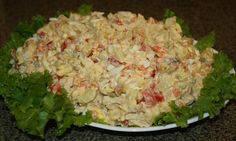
x=143 y=129
x=146 y=129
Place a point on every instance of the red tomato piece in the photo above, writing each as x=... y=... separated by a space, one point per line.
x=153 y=73
x=144 y=47
x=42 y=34
x=66 y=43
x=119 y=22
x=159 y=97
x=114 y=62
x=176 y=92
x=56 y=88
x=125 y=122
x=100 y=48
x=152 y=96
x=49 y=45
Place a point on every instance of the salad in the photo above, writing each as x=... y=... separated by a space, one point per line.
x=121 y=70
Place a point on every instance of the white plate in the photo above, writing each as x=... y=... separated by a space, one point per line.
x=145 y=129
x=153 y=128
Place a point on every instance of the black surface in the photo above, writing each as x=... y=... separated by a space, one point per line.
x=202 y=17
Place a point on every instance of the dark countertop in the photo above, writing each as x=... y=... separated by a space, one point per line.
x=202 y=17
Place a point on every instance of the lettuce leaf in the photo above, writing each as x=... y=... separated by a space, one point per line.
x=219 y=86
x=185 y=29
x=207 y=41
x=28 y=99
x=33 y=105
x=85 y=9
x=65 y=13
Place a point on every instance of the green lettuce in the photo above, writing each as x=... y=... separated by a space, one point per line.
x=219 y=86
x=28 y=99
x=207 y=41
x=84 y=9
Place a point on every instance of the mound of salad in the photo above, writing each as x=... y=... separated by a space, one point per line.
x=120 y=69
